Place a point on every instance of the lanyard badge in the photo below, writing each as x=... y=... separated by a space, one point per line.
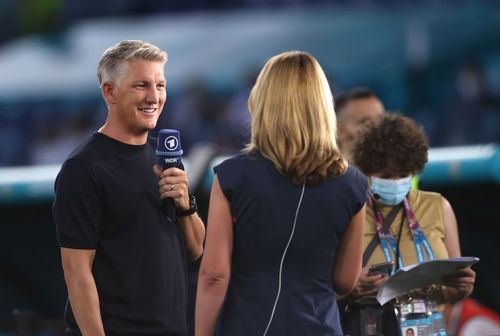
x=387 y=240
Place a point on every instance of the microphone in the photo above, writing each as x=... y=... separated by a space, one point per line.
x=168 y=153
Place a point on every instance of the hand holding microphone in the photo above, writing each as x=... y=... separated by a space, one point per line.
x=173 y=179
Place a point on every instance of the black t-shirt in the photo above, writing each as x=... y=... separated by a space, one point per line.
x=107 y=199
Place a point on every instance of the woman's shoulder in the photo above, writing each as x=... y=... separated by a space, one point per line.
x=353 y=170
x=352 y=182
x=239 y=158
x=353 y=174
x=238 y=161
x=421 y=196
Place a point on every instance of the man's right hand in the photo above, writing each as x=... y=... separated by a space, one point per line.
x=82 y=291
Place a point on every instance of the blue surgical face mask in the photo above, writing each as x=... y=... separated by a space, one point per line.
x=390 y=192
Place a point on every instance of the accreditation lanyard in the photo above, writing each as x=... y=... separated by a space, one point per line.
x=418 y=235
x=387 y=240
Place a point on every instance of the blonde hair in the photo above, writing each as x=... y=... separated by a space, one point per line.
x=111 y=66
x=293 y=119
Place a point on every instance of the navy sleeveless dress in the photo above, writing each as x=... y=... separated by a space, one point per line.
x=263 y=205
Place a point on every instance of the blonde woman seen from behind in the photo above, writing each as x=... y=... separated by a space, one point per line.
x=286 y=216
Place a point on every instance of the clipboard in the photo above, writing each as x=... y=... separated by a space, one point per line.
x=420 y=276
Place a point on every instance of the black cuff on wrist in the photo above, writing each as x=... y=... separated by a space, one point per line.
x=192 y=208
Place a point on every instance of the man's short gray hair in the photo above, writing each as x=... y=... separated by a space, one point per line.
x=112 y=61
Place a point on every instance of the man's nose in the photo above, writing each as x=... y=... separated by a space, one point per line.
x=152 y=96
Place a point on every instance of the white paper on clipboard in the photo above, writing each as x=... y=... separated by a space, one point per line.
x=420 y=276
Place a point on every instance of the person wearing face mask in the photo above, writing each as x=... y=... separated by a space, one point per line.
x=403 y=225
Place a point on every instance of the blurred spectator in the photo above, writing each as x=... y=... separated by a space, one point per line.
x=354 y=107
x=183 y=113
x=15 y=135
x=237 y=115
x=472 y=114
x=11 y=148
x=55 y=141
x=188 y=112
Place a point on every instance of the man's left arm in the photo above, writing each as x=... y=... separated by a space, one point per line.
x=194 y=235
x=174 y=184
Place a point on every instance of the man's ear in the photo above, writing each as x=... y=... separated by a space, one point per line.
x=108 y=92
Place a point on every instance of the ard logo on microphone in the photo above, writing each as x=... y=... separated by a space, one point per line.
x=171 y=143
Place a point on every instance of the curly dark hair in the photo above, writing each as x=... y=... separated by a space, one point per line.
x=390 y=145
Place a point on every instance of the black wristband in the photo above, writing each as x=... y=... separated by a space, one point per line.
x=192 y=208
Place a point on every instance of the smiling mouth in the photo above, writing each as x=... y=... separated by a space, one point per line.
x=148 y=110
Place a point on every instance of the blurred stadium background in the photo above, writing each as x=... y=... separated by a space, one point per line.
x=435 y=61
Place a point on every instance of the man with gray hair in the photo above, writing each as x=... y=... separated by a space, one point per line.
x=124 y=260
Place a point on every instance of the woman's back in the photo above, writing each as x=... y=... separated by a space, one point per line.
x=263 y=205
